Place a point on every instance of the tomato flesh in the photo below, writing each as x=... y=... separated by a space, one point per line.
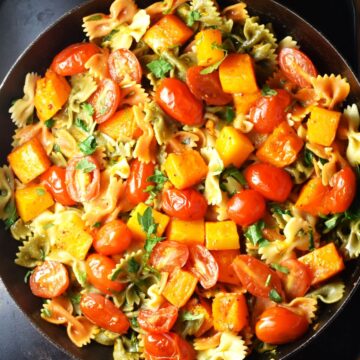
x=112 y=238
x=175 y=98
x=297 y=67
x=203 y=265
x=207 y=87
x=278 y=325
x=159 y=321
x=257 y=278
x=49 y=280
x=270 y=181
x=186 y=204
x=168 y=255
x=137 y=181
x=72 y=60
x=270 y=111
x=123 y=63
x=105 y=100
x=246 y=207
x=98 y=269
x=102 y=312
x=76 y=178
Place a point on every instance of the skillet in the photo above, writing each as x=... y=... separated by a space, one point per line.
x=36 y=59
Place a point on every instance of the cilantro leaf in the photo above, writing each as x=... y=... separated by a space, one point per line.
x=88 y=108
x=277 y=209
x=192 y=17
x=40 y=191
x=46 y=312
x=85 y=165
x=97 y=224
x=212 y=68
x=229 y=115
x=159 y=179
x=49 y=123
x=275 y=296
x=75 y=298
x=333 y=221
x=11 y=215
x=81 y=124
x=189 y=316
x=254 y=233
x=27 y=275
x=235 y=173
x=311 y=240
x=280 y=268
x=88 y=146
x=267 y=91
x=159 y=68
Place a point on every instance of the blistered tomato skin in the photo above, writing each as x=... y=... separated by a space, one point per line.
x=175 y=98
x=278 y=325
x=246 y=207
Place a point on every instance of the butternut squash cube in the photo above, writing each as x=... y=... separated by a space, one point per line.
x=70 y=235
x=237 y=74
x=186 y=232
x=121 y=125
x=185 y=169
x=223 y=259
x=180 y=287
x=233 y=146
x=322 y=126
x=221 y=235
x=230 y=312
x=168 y=32
x=52 y=92
x=208 y=47
x=244 y=102
x=31 y=201
x=133 y=224
x=29 y=160
x=200 y=307
x=323 y=263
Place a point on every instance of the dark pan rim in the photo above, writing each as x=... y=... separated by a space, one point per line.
x=355 y=284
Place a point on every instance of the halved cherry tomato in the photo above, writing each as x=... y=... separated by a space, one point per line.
x=278 y=325
x=49 y=280
x=270 y=181
x=298 y=280
x=270 y=111
x=137 y=181
x=187 y=204
x=98 y=268
x=123 y=63
x=72 y=59
x=112 y=238
x=169 y=346
x=207 y=87
x=168 y=255
x=343 y=191
x=246 y=207
x=203 y=265
x=175 y=98
x=257 y=278
x=297 y=67
x=105 y=100
x=83 y=178
x=54 y=181
x=102 y=312
x=158 y=321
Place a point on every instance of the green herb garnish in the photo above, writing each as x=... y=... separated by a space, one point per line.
x=11 y=215
x=188 y=316
x=49 y=123
x=267 y=91
x=81 y=124
x=133 y=266
x=275 y=296
x=46 y=312
x=268 y=280
x=311 y=240
x=159 y=68
x=85 y=165
x=88 y=146
x=254 y=234
x=159 y=179
x=229 y=115
x=192 y=17
x=280 y=268
x=235 y=173
x=88 y=109
x=40 y=191
x=27 y=275
x=97 y=224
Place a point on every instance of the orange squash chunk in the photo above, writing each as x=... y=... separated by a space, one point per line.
x=208 y=43
x=223 y=259
x=200 y=307
x=244 y=102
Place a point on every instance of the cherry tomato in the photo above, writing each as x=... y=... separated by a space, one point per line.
x=257 y=278
x=343 y=191
x=186 y=204
x=297 y=67
x=169 y=346
x=102 y=312
x=207 y=87
x=98 y=268
x=124 y=63
x=270 y=181
x=72 y=59
x=203 y=265
x=270 y=111
x=83 y=178
x=297 y=281
x=158 y=321
x=246 y=207
x=105 y=100
x=112 y=238
x=278 y=325
x=137 y=181
x=175 y=98
x=54 y=181
x=49 y=280
x=168 y=255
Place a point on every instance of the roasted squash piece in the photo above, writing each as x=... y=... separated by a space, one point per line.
x=208 y=47
x=221 y=235
x=186 y=232
x=223 y=259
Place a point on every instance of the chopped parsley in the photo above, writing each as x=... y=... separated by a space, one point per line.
x=97 y=224
x=159 y=179
x=229 y=114
x=311 y=240
x=81 y=124
x=85 y=165
x=40 y=191
x=27 y=275
x=277 y=209
x=46 y=312
x=280 y=268
x=275 y=296
x=88 y=109
x=189 y=316
x=192 y=17
x=57 y=148
x=159 y=68
x=267 y=91
x=49 y=123
x=254 y=234
x=75 y=298
x=88 y=146
x=212 y=68
x=235 y=173
x=11 y=215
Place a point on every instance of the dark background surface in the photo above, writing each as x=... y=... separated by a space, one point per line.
x=20 y=22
